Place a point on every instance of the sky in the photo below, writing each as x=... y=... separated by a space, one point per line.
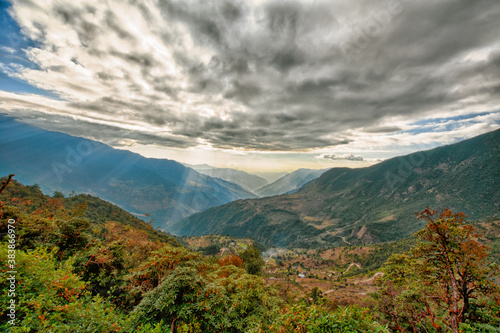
x=255 y=85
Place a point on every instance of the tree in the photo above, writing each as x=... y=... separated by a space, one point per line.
x=58 y=195
x=4 y=185
x=302 y=318
x=444 y=281
x=209 y=298
x=252 y=259
x=316 y=295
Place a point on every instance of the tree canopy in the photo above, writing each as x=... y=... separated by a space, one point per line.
x=446 y=283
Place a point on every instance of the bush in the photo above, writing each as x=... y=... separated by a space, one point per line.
x=51 y=298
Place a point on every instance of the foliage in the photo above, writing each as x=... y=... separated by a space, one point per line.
x=114 y=273
x=51 y=298
x=320 y=319
x=149 y=273
x=252 y=259
x=31 y=201
x=209 y=299
x=231 y=260
x=316 y=295
x=444 y=282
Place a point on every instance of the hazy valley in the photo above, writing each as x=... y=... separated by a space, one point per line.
x=367 y=205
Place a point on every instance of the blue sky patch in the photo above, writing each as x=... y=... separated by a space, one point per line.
x=444 y=120
x=445 y=124
x=12 y=53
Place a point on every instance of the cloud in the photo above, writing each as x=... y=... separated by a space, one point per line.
x=259 y=75
x=349 y=157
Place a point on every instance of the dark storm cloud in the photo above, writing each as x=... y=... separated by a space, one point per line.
x=111 y=135
x=407 y=68
x=276 y=75
x=382 y=129
x=144 y=112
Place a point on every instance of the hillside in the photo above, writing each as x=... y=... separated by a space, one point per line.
x=367 y=205
x=217 y=245
x=290 y=182
x=247 y=181
x=58 y=162
x=104 y=216
x=82 y=262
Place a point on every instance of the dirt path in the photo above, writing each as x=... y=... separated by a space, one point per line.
x=343 y=238
x=372 y=278
x=353 y=264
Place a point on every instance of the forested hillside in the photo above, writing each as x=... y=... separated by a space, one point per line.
x=367 y=205
x=82 y=264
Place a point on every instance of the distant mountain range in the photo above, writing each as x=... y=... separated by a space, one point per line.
x=367 y=205
x=289 y=183
x=167 y=190
x=247 y=181
x=270 y=176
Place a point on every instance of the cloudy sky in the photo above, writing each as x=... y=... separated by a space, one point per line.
x=255 y=85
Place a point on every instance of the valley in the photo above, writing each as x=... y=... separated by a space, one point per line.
x=343 y=275
x=164 y=189
x=241 y=166
x=327 y=241
x=127 y=261
x=366 y=205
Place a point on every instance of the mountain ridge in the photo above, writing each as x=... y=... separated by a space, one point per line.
x=290 y=182
x=247 y=181
x=366 y=205
x=59 y=162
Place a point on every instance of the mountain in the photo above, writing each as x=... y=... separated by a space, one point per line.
x=367 y=205
x=163 y=188
x=270 y=176
x=102 y=214
x=247 y=181
x=290 y=182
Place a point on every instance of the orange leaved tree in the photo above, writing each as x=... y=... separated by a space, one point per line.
x=445 y=283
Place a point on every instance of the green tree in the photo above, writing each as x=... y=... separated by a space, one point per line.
x=58 y=195
x=208 y=299
x=252 y=259
x=316 y=295
x=301 y=318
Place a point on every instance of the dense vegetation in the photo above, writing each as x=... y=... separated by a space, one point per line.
x=445 y=283
x=116 y=273
x=85 y=265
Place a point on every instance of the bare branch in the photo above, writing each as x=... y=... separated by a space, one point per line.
x=6 y=182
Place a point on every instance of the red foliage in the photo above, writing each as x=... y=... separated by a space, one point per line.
x=231 y=260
